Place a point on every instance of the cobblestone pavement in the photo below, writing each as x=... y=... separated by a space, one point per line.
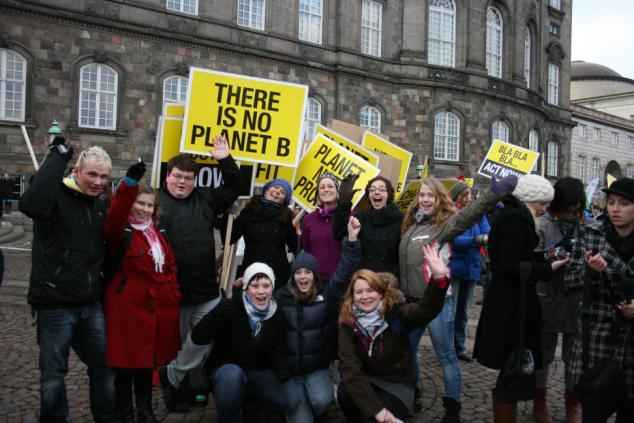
x=19 y=375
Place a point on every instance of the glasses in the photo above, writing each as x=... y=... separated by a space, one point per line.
x=182 y=178
x=381 y=190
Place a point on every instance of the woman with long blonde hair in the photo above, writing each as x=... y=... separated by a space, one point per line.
x=433 y=221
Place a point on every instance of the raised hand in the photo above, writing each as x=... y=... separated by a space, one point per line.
x=505 y=185
x=346 y=189
x=354 y=226
x=58 y=145
x=222 y=148
x=136 y=171
x=434 y=261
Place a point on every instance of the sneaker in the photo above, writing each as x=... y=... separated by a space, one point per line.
x=464 y=356
x=172 y=397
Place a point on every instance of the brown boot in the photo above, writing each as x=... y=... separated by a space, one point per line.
x=573 y=412
x=540 y=409
x=503 y=413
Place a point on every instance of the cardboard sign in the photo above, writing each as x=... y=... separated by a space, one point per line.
x=469 y=182
x=408 y=196
x=208 y=174
x=507 y=159
x=174 y=110
x=348 y=130
x=348 y=144
x=324 y=155
x=609 y=179
x=263 y=120
x=373 y=142
x=267 y=172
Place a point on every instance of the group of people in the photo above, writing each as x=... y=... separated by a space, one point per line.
x=129 y=282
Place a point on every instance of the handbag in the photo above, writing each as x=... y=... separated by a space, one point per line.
x=600 y=387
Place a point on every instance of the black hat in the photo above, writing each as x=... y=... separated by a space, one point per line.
x=623 y=187
x=307 y=260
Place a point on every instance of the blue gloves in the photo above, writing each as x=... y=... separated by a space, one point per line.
x=504 y=186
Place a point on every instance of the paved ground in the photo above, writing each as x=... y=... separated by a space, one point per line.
x=19 y=375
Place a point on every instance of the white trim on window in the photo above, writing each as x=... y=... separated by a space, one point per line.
x=494 y=42
x=527 y=56
x=98 y=96
x=596 y=169
x=12 y=85
x=500 y=131
x=184 y=6
x=175 y=89
x=581 y=169
x=371 y=24
x=370 y=118
x=552 y=159
x=251 y=13
x=446 y=136
x=596 y=134
x=553 y=83
x=582 y=130
x=310 y=20
x=615 y=138
x=533 y=145
x=442 y=33
x=312 y=116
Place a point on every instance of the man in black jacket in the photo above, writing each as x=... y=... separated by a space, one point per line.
x=189 y=215
x=66 y=284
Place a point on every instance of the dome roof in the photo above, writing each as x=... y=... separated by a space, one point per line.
x=584 y=70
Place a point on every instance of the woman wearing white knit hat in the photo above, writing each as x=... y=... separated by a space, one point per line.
x=512 y=242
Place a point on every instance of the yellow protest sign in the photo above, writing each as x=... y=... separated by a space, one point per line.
x=373 y=142
x=469 y=182
x=348 y=144
x=324 y=155
x=266 y=172
x=610 y=179
x=209 y=173
x=174 y=110
x=263 y=120
x=505 y=158
x=408 y=196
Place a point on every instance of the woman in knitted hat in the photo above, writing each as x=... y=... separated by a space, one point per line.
x=248 y=362
x=317 y=238
x=512 y=243
x=266 y=223
x=311 y=312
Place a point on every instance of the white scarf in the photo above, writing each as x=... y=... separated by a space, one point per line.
x=156 y=249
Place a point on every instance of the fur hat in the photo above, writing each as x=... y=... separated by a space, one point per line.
x=280 y=183
x=534 y=188
x=254 y=269
x=457 y=188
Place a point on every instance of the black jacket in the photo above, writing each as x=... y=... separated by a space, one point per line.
x=228 y=325
x=312 y=328
x=189 y=223
x=266 y=236
x=512 y=243
x=68 y=245
x=380 y=235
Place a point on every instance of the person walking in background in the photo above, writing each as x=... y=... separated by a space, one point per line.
x=266 y=223
x=512 y=244
x=6 y=189
x=557 y=229
x=141 y=302
x=189 y=214
x=465 y=267
x=317 y=237
x=65 y=289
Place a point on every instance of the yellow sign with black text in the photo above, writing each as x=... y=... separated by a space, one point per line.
x=348 y=144
x=324 y=155
x=262 y=119
x=266 y=172
x=373 y=142
x=408 y=196
x=505 y=159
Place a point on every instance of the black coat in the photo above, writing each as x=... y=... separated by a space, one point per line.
x=266 y=235
x=189 y=223
x=68 y=244
x=512 y=242
x=312 y=328
x=228 y=326
x=380 y=235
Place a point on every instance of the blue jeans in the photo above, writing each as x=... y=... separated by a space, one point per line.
x=231 y=386
x=462 y=293
x=84 y=329
x=316 y=394
x=442 y=338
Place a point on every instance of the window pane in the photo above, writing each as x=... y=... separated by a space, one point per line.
x=371 y=17
x=312 y=116
x=98 y=96
x=500 y=131
x=446 y=136
x=441 y=33
x=494 y=42
x=552 y=159
x=310 y=21
x=370 y=118
x=527 y=57
x=553 y=83
x=12 y=85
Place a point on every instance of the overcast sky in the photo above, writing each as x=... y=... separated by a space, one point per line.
x=603 y=33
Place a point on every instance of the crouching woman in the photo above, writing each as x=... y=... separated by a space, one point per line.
x=378 y=375
x=249 y=354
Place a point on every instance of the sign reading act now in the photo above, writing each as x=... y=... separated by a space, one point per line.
x=261 y=119
x=507 y=159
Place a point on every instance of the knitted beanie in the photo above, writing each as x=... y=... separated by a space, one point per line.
x=325 y=175
x=253 y=270
x=280 y=183
x=534 y=188
x=457 y=188
x=306 y=260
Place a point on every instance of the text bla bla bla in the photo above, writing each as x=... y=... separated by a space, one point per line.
x=508 y=155
x=245 y=141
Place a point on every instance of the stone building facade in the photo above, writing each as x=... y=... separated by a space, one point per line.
x=438 y=77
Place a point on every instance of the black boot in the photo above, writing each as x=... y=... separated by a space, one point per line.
x=418 y=400
x=452 y=410
x=123 y=395
x=144 y=412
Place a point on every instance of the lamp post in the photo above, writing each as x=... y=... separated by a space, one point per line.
x=419 y=170
x=53 y=131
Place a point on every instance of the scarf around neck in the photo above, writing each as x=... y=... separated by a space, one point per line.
x=624 y=246
x=257 y=316
x=270 y=204
x=369 y=325
x=151 y=235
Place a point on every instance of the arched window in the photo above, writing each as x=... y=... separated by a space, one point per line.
x=312 y=116
x=12 y=85
x=533 y=145
x=553 y=83
x=552 y=159
x=500 y=131
x=370 y=118
x=175 y=89
x=527 y=56
x=495 y=27
x=98 y=96
x=446 y=136
x=442 y=32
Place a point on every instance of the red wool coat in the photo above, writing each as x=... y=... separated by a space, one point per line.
x=141 y=306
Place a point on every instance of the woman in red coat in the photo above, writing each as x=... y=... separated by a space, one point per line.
x=141 y=302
